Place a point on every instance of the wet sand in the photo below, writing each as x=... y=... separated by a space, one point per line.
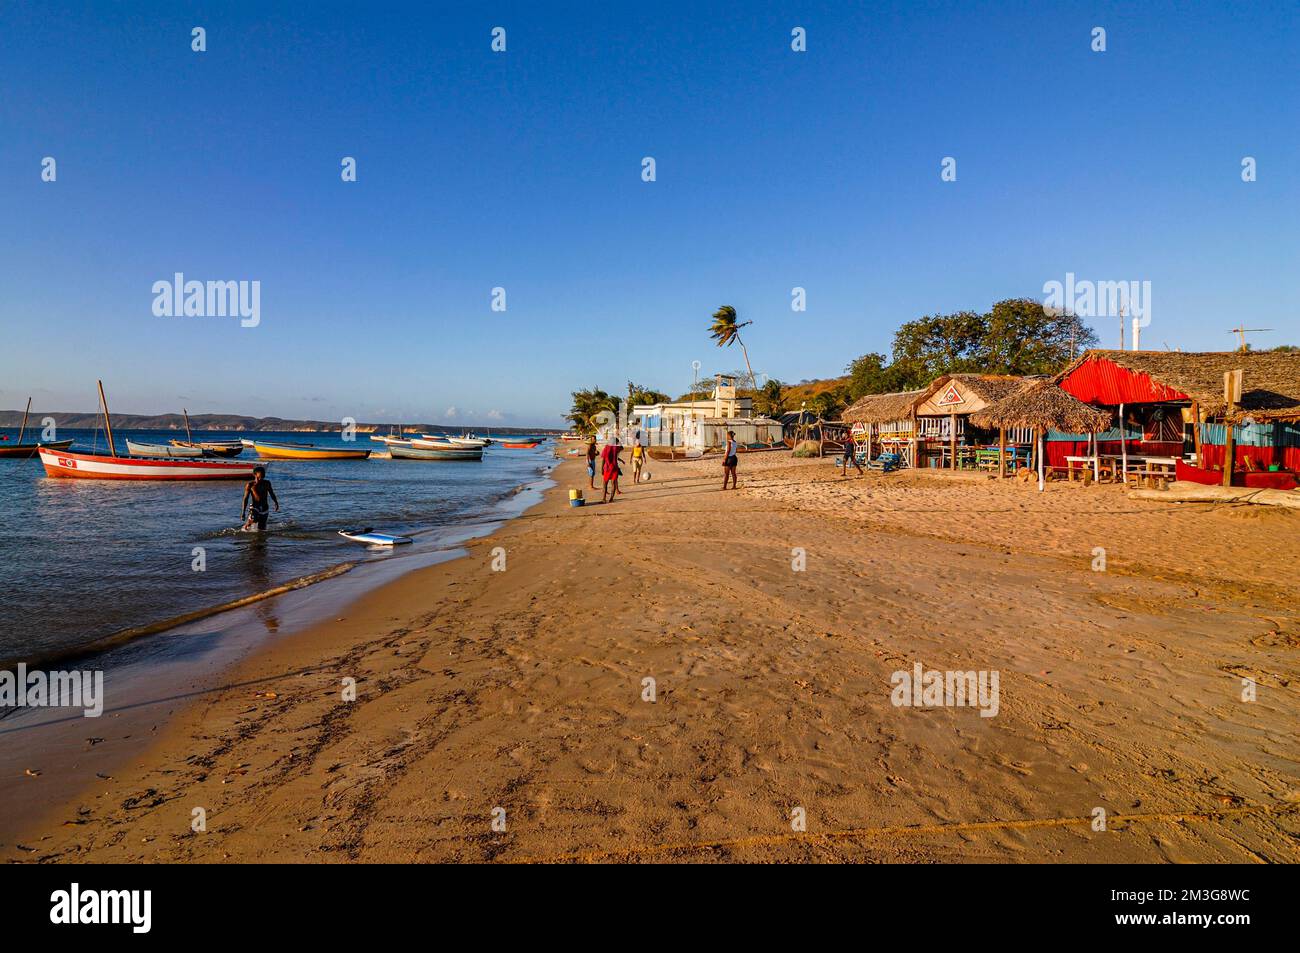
x=518 y=698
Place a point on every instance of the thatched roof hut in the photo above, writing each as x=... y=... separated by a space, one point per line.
x=979 y=388
x=882 y=408
x=1041 y=405
x=1272 y=378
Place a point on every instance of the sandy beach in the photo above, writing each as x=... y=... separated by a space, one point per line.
x=504 y=714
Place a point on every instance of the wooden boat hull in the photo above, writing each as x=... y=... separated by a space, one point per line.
x=277 y=452
x=218 y=448
x=25 y=451
x=521 y=446
x=161 y=450
x=88 y=466
x=431 y=450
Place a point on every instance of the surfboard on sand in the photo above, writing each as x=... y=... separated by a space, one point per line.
x=371 y=538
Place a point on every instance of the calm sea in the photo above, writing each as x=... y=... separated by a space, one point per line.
x=84 y=559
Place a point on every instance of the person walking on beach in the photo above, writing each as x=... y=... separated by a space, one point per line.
x=851 y=456
x=592 y=454
x=610 y=470
x=258 y=491
x=729 y=461
x=638 y=458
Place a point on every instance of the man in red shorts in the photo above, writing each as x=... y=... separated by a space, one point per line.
x=609 y=470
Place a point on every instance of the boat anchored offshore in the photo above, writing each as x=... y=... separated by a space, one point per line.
x=305 y=451
x=210 y=448
x=138 y=449
x=433 y=450
x=95 y=466
x=25 y=451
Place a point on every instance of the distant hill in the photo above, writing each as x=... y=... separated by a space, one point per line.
x=89 y=421
x=807 y=390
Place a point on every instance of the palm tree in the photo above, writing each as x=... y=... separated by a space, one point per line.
x=725 y=332
x=771 y=399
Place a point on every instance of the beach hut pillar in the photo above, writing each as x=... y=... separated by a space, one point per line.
x=1041 y=480
x=952 y=440
x=1196 y=433
x=1229 y=444
x=1096 y=457
x=1123 y=448
x=1002 y=452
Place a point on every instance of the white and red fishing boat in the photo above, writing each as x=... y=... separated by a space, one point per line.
x=97 y=466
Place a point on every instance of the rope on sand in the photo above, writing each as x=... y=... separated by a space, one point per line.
x=865 y=833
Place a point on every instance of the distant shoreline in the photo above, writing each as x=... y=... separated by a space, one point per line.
x=80 y=420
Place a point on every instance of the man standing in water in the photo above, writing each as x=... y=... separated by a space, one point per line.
x=259 y=492
x=591 y=461
x=729 y=461
x=609 y=470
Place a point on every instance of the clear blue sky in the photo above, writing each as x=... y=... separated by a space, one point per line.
x=775 y=169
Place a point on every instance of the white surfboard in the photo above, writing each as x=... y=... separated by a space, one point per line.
x=371 y=538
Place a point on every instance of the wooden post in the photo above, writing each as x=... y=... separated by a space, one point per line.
x=1232 y=387
x=952 y=438
x=1123 y=447
x=1041 y=479
x=108 y=426
x=1002 y=452
x=23 y=429
x=1096 y=457
x=1196 y=433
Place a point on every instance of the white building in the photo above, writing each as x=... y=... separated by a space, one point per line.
x=703 y=423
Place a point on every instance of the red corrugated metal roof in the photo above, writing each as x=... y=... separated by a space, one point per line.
x=1103 y=382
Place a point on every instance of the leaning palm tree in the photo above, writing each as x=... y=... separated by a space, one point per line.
x=725 y=332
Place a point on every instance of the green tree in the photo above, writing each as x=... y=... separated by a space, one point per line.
x=1023 y=337
x=587 y=405
x=829 y=404
x=770 y=399
x=640 y=394
x=725 y=332
x=871 y=374
x=940 y=344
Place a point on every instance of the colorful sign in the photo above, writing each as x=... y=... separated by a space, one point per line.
x=950 y=397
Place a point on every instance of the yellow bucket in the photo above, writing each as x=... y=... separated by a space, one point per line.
x=575 y=494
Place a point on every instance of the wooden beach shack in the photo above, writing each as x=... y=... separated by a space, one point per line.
x=885 y=423
x=946 y=435
x=1038 y=407
x=1173 y=416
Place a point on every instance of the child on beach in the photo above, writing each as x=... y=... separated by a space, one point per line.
x=591 y=461
x=258 y=491
x=638 y=458
x=729 y=461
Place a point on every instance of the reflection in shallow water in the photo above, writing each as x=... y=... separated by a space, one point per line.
x=81 y=559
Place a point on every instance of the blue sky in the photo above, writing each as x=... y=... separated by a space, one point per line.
x=522 y=170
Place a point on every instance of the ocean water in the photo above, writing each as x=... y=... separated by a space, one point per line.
x=84 y=559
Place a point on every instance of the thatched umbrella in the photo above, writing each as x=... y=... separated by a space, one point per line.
x=1043 y=406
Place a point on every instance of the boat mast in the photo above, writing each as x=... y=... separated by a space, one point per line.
x=188 y=436
x=108 y=426
x=22 y=430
